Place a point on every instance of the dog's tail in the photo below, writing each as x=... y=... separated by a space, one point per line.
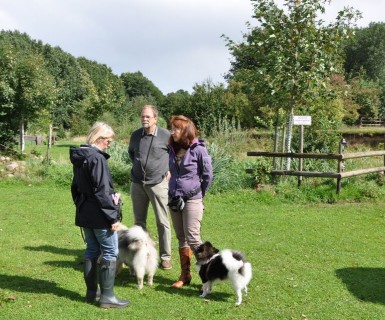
x=246 y=272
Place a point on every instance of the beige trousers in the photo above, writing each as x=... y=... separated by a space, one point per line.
x=156 y=194
x=187 y=224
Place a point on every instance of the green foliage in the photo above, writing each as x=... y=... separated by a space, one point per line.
x=366 y=94
x=311 y=191
x=135 y=85
x=36 y=152
x=345 y=104
x=206 y=106
x=367 y=52
x=175 y=103
x=365 y=59
x=40 y=172
x=287 y=60
x=223 y=146
x=120 y=164
x=43 y=85
x=27 y=89
x=239 y=107
x=260 y=170
x=226 y=172
x=109 y=88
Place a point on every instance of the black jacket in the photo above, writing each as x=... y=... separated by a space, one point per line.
x=92 y=188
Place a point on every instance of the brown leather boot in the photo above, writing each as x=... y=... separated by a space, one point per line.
x=185 y=255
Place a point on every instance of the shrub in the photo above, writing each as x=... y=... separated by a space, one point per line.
x=229 y=174
x=58 y=174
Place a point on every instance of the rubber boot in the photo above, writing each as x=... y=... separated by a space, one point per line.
x=107 y=280
x=91 y=279
x=185 y=255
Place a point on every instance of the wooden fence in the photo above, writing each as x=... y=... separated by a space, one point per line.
x=339 y=174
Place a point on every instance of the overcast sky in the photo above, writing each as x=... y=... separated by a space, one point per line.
x=174 y=43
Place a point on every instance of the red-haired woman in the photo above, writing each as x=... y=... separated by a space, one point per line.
x=191 y=176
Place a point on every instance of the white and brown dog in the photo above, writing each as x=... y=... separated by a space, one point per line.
x=214 y=265
x=137 y=250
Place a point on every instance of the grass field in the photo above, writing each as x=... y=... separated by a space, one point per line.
x=309 y=261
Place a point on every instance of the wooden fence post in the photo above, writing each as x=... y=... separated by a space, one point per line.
x=340 y=167
x=300 y=163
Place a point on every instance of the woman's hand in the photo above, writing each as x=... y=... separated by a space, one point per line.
x=116 y=226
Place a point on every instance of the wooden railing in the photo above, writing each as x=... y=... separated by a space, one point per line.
x=340 y=174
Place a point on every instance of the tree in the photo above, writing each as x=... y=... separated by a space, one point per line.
x=109 y=87
x=8 y=126
x=238 y=106
x=35 y=91
x=207 y=105
x=136 y=84
x=175 y=103
x=289 y=57
x=367 y=52
x=27 y=90
x=365 y=59
x=67 y=74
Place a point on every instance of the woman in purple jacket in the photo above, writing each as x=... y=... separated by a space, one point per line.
x=191 y=176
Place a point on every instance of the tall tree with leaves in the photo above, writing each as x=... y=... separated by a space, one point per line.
x=136 y=84
x=175 y=103
x=35 y=91
x=207 y=105
x=365 y=59
x=67 y=74
x=27 y=89
x=8 y=124
x=288 y=58
x=109 y=87
x=367 y=52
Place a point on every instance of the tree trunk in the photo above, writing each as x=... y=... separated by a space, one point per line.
x=22 y=141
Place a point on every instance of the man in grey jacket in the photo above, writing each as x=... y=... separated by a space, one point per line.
x=148 y=150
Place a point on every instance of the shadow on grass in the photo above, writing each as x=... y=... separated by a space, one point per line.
x=191 y=290
x=366 y=284
x=29 y=285
x=77 y=253
x=56 y=250
x=162 y=283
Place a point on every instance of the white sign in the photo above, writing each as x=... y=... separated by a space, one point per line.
x=302 y=120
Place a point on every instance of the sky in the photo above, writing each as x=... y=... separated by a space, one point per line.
x=174 y=43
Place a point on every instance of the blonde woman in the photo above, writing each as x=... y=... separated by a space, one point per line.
x=97 y=213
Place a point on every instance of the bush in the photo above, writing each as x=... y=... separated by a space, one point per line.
x=58 y=174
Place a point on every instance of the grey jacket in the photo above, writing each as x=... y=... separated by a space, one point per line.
x=149 y=155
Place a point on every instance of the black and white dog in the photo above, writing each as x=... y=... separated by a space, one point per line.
x=137 y=250
x=214 y=265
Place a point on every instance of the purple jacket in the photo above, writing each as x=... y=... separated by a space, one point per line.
x=195 y=171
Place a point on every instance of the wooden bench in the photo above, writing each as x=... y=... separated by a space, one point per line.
x=366 y=122
x=36 y=139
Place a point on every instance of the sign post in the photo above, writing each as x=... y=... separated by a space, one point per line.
x=301 y=121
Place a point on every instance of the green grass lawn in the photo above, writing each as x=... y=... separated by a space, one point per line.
x=309 y=261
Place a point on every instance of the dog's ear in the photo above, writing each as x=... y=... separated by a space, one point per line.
x=208 y=244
